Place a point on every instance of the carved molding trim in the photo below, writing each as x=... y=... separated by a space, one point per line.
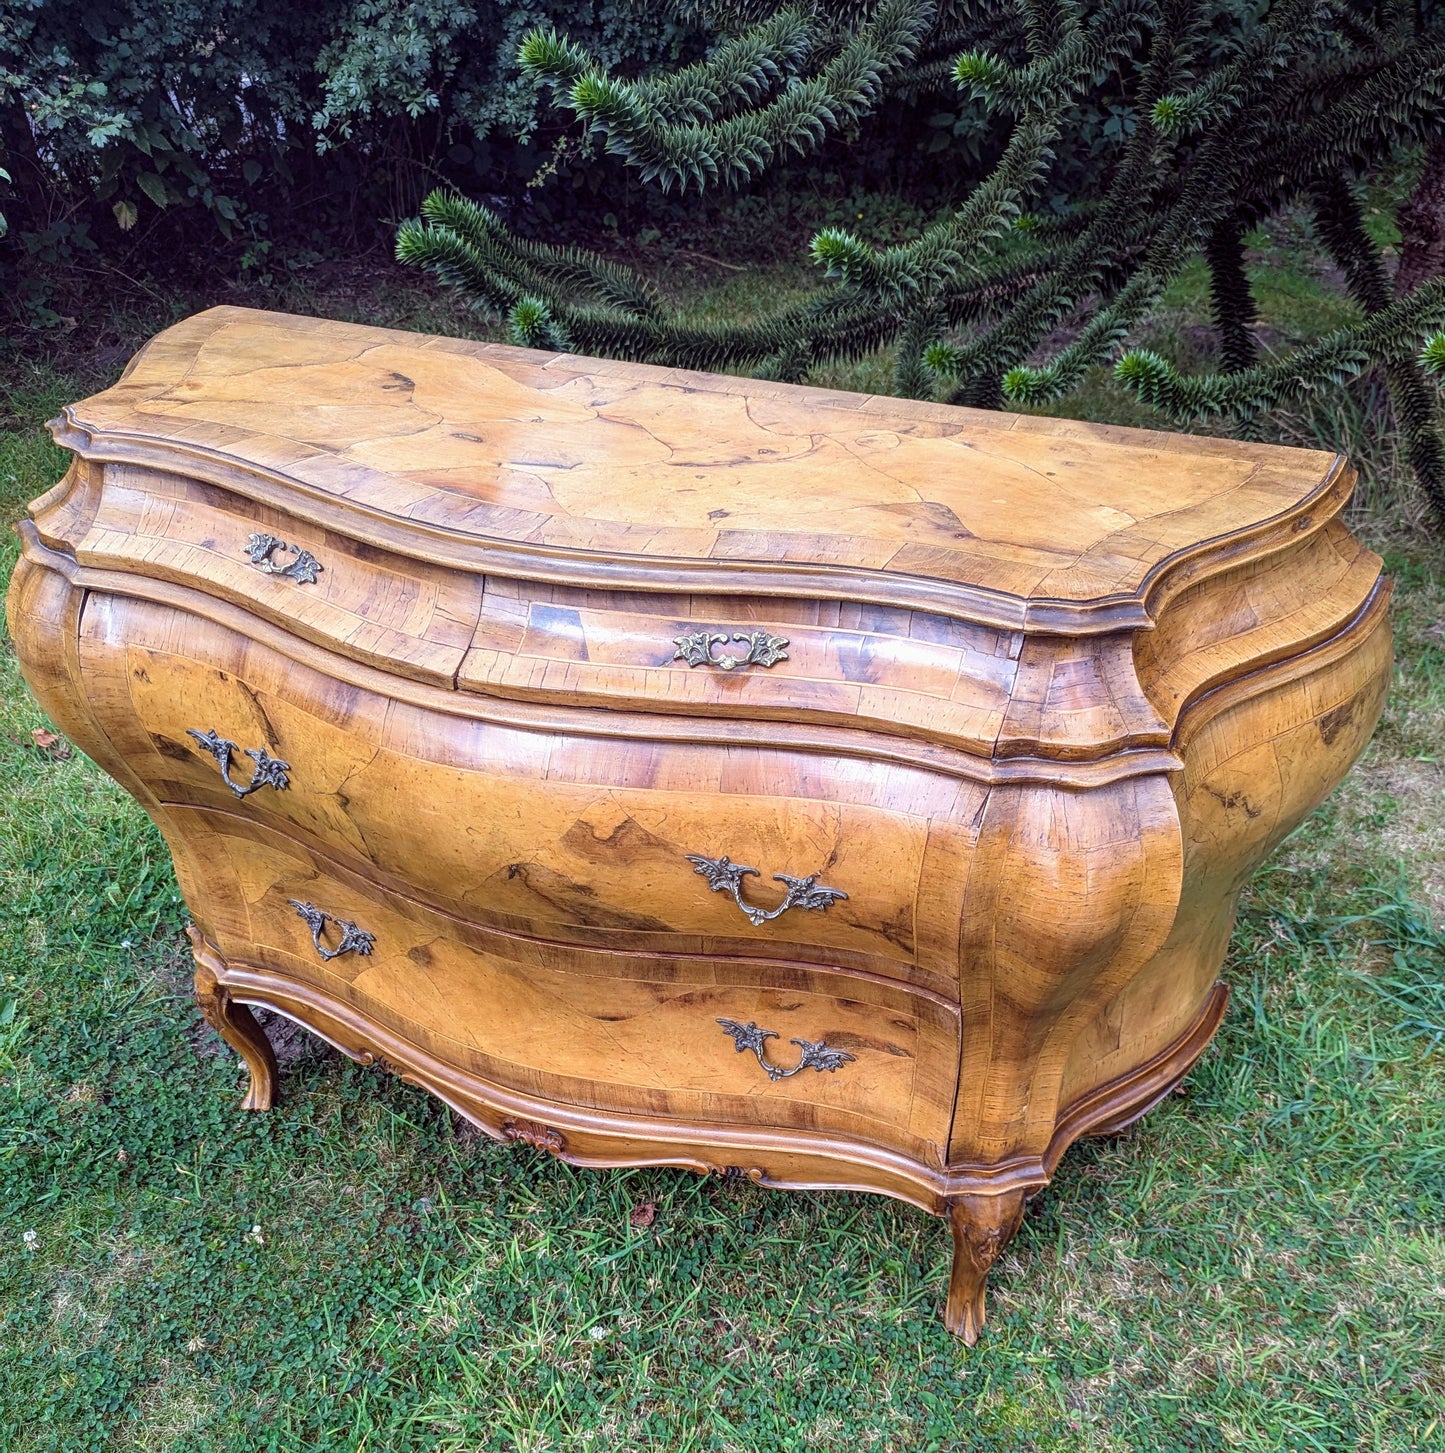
x=234 y=1022
x=756 y=1174
x=608 y=1138
x=713 y=577
x=541 y=1137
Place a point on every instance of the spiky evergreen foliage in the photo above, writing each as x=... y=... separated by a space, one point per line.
x=1236 y=114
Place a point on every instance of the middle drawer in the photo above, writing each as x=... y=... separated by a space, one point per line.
x=614 y=842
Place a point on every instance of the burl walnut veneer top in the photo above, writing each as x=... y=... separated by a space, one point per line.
x=597 y=472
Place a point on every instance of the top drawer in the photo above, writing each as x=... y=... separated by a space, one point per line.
x=413 y=618
x=901 y=671
x=957 y=684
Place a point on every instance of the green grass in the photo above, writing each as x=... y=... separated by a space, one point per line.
x=1259 y=1265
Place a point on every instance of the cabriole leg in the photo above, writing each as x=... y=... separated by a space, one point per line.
x=236 y=1025
x=982 y=1226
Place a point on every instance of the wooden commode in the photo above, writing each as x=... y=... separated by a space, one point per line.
x=669 y=769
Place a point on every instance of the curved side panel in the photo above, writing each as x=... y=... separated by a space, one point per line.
x=1265 y=610
x=1068 y=896
x=1260 y=756
x=44 y=610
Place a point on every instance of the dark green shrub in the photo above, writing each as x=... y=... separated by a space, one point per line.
x=113 y=112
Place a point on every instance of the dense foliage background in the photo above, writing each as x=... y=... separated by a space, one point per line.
x=223 y=138
x=223 y=127
x=206 y=134
x=993 y=197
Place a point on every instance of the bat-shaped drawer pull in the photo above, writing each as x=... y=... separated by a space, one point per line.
x=725 y=876
x=269 y=771
x=762 y=649
x=353 y=939
x=815 y=1056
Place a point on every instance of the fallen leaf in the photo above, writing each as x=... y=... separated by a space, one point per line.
x=51 y=743
x=644 y=1213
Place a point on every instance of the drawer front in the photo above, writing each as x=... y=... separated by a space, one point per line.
x=406 y=615
x=644 y=1034
x=898 y=671
x=620 y=843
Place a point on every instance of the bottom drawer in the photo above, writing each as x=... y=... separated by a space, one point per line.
x=628 y=1032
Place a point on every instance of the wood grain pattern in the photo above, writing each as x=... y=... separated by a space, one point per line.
x=564 y=456
x=1050 y=693
x=899 y=671
x=417 y=618
x=574 y=1026
x=534 y=831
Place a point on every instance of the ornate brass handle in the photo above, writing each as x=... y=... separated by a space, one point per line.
x=303 y=569
x=269 y=771
x=353 y=939
x=725 y=876
x=762 y=649
x=816 y=1054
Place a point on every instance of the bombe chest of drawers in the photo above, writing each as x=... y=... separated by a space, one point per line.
x=683 y=770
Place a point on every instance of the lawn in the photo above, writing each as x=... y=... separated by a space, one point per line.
x=1259 y=1265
